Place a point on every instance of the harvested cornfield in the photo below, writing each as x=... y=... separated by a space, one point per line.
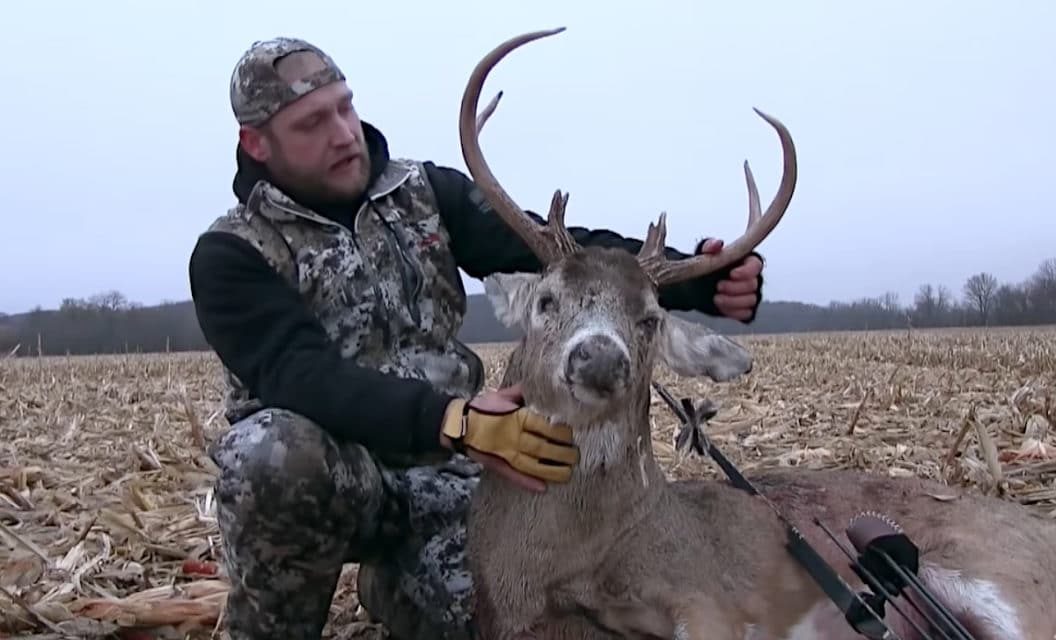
x=105 y=489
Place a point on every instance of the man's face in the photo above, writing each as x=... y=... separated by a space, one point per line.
x=315 y=145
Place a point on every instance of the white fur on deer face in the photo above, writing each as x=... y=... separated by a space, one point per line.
x=594 y=329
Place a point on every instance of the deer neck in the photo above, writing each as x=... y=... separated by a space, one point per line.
x=615 y=452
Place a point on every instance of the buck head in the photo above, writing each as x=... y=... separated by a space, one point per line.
x=592 y=321
x=594 y=329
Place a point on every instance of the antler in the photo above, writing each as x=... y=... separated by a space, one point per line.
x=549 y=243
x=662 y=271
x=552 y=241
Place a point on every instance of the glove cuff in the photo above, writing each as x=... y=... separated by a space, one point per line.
x=456 y=423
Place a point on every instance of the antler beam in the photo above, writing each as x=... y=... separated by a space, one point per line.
x=552 y=241
x=549 y=243
x=663 y=271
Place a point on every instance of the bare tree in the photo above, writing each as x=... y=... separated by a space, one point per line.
x=979 y=291
x=944 y=300
x=890 y=303
x=925 y=307
x=932 y=305
x=1040 y=292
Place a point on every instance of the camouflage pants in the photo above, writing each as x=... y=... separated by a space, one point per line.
x=293 y=506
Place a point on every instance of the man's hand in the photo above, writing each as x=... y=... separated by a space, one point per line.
x=737 y=295
x=497 y=431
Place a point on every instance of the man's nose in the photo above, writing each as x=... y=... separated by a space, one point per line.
x=342 y=133
x=344 y=137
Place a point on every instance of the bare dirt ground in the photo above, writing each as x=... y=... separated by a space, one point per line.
x=106 y=515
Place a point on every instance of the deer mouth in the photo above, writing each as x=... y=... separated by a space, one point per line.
x=596 y=385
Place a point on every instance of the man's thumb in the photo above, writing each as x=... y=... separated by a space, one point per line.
x=513 y=393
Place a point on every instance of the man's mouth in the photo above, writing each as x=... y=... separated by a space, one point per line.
x=344 y=163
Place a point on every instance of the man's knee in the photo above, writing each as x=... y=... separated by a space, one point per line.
x=290 y=503
x=281 y=462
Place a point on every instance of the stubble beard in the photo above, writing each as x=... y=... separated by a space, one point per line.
x=311 y=187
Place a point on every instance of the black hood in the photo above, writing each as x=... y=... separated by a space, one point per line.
x=250 y=171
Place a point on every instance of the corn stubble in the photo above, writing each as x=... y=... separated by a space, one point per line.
x=106 y=506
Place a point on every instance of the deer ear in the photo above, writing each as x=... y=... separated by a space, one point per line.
x=692 y=349
x=510 y=295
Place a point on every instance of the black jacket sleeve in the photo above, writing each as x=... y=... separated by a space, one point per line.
x=483 y=244
x=260 y=329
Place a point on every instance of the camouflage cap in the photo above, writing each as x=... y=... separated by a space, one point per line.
x=258 y=90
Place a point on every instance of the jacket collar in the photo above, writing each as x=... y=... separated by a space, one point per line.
x=271 y=201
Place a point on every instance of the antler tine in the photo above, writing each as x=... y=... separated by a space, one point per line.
x=550 y=242
x=652 y=251
x=759 y=226
x=487 y=111
x=754 y=206
x=563 y=241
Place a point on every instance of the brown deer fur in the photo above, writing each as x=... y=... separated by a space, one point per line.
x=619 y=552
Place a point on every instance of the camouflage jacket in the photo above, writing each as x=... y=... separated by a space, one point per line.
x=387 y=292
x=352 y=318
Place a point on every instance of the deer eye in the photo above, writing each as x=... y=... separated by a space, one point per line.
x=547 y=303
x=649 y=324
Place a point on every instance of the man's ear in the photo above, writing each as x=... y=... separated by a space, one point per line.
x=254 y=143
x=510 y=294
x=692 y=349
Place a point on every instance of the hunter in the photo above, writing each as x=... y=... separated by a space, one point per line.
x=331 y=294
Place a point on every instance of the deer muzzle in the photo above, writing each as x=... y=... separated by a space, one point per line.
x=598 y=363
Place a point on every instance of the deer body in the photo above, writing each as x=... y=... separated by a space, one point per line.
x=590 y=549
x=620 y=552
x=643 y=566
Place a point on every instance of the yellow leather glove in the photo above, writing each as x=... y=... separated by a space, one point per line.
x=525 y=440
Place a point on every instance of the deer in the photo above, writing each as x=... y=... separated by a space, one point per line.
x=620 y=551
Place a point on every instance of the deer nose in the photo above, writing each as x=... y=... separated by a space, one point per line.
x=598 y=363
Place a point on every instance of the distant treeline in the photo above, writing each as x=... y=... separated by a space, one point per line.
x=110 y=323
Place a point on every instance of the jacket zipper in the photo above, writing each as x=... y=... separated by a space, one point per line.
x=411 y=274
x=379 y=310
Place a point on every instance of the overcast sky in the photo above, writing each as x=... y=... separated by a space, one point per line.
x=924 y=129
